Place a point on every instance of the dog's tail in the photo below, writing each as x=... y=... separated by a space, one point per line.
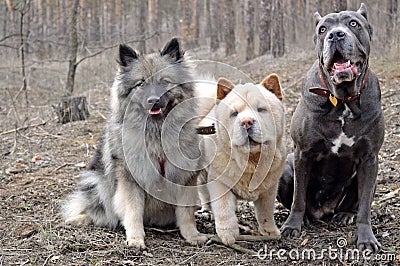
x=92 y=201
x=286 y=183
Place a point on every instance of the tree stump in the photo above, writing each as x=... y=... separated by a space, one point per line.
x=71 y=109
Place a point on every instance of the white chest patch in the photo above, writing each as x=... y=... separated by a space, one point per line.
x=342 y=139
x=346 y=114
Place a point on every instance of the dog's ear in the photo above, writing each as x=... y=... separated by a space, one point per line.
x=126 y=55
x=363 y=10
x=224 y=86
x=173 y=49
x=317 y=18
x=272 y=84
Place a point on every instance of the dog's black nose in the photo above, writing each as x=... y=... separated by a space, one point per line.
x=152 y=100
x=336 y=35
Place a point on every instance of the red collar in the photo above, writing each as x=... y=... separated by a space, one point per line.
x=328 y=94
x=161 y=162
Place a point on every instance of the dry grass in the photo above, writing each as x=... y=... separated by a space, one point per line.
x=31 y=229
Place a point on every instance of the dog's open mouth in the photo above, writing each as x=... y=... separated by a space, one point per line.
x=342 y=69
x=155 y=111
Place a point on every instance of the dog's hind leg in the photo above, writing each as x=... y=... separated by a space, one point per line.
x=346 y=212
x=286 y=183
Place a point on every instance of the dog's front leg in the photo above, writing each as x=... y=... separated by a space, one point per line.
x=264 y=208
x=187 y=225
x=129 y=203
x=223 y=205
x=366 y=177
x=302 y=168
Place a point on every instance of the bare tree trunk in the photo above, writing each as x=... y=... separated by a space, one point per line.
x=391 y=12
x=119 y=16
x=197 y=12
x=72 y=108
x=207 y=14
x=278 y=33
x=95 y=21
x=141 y=29
x=214 y=43
x=153 y=22
x=339 y=5
x=249 y=29
x=83 y=22
x=23 y=10
x=49 y=16
x=187 y=27
x=5 y=20
x=69 y=88
x=265 y=27
x=229 y=27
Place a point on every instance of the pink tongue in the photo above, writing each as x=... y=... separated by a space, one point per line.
x=155 y=112
x=340 y=66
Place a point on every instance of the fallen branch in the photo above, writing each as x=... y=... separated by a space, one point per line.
x=22 y=128
x=389 y=196
x=216 y=239
x=59 y=167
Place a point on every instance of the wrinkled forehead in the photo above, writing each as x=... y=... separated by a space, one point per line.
x=342 y=18
x=245 y=96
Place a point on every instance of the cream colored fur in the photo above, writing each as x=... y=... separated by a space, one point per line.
x=241 y=170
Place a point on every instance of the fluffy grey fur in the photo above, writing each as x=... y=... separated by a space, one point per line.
x=146 y=165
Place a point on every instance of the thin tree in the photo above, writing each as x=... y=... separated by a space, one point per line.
x=23 y=9
x=265 y=27
x=73 y=40
x=141 y=23
x=339 y=5
x=278 y=33
x=153 y=22
x=249 y=14
x=229 y=28
x=188 y=23
x=214 y=43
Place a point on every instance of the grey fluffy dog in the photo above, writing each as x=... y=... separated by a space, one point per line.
x=145 y=169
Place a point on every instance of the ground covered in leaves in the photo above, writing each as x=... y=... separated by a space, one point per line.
x=40 y=163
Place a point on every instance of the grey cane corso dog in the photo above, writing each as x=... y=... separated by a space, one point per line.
x=337 y=129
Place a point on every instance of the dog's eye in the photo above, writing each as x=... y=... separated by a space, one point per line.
x=261 y=110
x=322 y=30
x=166 y=81
x=138 y=83
x=354 y=24
x=234 y=114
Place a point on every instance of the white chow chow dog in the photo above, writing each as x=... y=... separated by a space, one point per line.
x=249 y=152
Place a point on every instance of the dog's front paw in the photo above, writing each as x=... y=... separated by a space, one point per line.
x=290 y=231
x=366 y=239
x=343 y=218
x=198 y=239
x=228 y=235
x=136 y=242
x=269 y=230
x=81 y=219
